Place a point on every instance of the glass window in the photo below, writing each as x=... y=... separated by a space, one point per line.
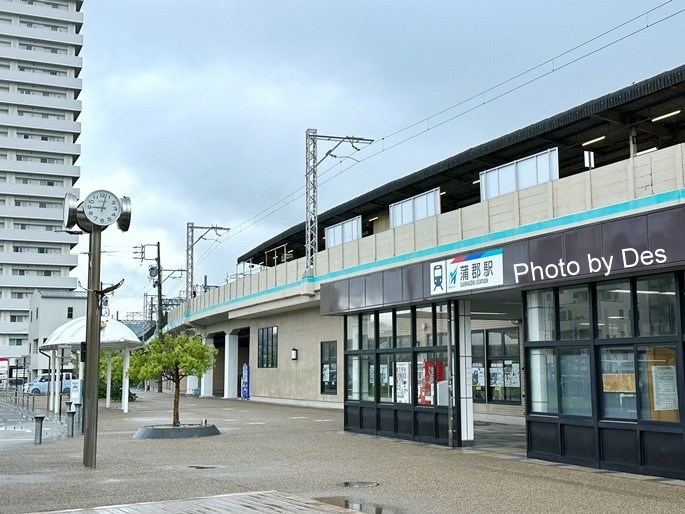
x=385 y=330
x=352 y=389
x=329 y=367
x=614 y=310
x=618 y=383
x=387 y=380
x=403 y=378
x=352 y=333
x=431 y=378
x=267 y=347
x=656 y=305
x=368 y=331
x=574 y=313
x=504 y=367
x=478 y=365
x=367 y=377
x=441 y=317
x=576 y=396
x=403 y=328
x=543 y=381
x=658 y=383
x=495 y=347
x=424 y=326
x=540 y=320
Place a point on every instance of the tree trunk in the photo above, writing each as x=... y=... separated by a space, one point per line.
x=177 y=394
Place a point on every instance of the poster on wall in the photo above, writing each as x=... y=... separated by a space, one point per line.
x=402 y=382
x=512 y=375
x=664 y=388
x=478 y=372
x=496 y=374
x=467 y=272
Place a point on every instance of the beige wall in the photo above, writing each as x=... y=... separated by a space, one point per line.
x=300 y=379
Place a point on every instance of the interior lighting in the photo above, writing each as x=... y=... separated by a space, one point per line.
x=477 y=181
x=667 y=115
x=595 y=140
x=642 y=152
x=373 y=219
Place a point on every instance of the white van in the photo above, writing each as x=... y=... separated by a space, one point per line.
x=39 y=385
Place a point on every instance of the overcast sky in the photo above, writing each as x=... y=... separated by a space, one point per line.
x=197 y=111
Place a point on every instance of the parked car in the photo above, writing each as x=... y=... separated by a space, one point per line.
x=39 y=385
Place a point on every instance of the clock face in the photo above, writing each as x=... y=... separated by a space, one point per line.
x=102 y=208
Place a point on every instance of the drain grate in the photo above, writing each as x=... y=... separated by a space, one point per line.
x=360 y=484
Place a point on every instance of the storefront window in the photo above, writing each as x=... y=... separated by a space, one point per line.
x=403 y=327
x=368 y=332
x=614 y=310
x=441 y=317
x=658 y=383
x=540 y=319
x=431 y=378
x=403 y=378
x=576 y=396
x=352 y=388
x=656 y=305
x=618 y=383
x=367 y=378
x=424 y=326
x=478 y=365
x=352 y=338
x=504 y=368
x=387 y=380
x=574 y=313
x=542 y=371
x=385 y=330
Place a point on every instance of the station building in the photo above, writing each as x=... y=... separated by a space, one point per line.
x=534 y=279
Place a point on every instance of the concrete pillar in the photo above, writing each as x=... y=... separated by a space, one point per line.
x=231 y=367
x=191 y=383
x=464 y=364
x=52 y=402
x=207 y=385
x=124 y=381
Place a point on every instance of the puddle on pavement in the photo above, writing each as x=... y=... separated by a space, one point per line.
x=340 y=501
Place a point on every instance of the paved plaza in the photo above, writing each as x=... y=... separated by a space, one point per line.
x=274 y=458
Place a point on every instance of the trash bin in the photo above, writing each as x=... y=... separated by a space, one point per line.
x=196 y=392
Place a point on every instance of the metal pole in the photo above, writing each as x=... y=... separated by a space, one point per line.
x=92 y=351
x=450 y=378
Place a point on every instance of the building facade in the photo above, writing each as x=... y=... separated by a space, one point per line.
x=40 y=43
x=537 y=278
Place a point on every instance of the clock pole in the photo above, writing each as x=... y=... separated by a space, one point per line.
x=92 y=350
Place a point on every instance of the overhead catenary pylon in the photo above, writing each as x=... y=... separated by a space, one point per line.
x=190 y=244
x=311 y=185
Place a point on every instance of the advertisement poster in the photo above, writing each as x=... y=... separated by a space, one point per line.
x=4 y=369
x=664 y=388
x=496 y=374
x=402 y=382
x=478 y=372
x=245 y=383
x=512 y=374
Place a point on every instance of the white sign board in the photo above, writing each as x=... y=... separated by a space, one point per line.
x=467 y=272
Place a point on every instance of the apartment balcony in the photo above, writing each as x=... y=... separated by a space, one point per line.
x=42 y=34
x=40 y=101
x=37 y=192
x=14 y=330
x=38 y=145
x=56 y=170
x=41 y=11
x=37 y=236
x=34 y=282
x=41 y=79
x=39 y=259
x=34 y=56
x=36 y=123
x=14 y=304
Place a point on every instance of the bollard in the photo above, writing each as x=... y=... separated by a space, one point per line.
x=70 y=423
x=78 y=416
x=38 y=436
x=68 y=402
x=33 y=402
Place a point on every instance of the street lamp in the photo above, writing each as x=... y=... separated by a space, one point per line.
x=99 y=210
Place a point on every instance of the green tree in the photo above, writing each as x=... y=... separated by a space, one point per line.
x=174 y=357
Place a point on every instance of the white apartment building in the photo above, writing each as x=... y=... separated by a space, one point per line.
x=40 y=43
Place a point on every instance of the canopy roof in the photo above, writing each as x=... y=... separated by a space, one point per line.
x=114 y=335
